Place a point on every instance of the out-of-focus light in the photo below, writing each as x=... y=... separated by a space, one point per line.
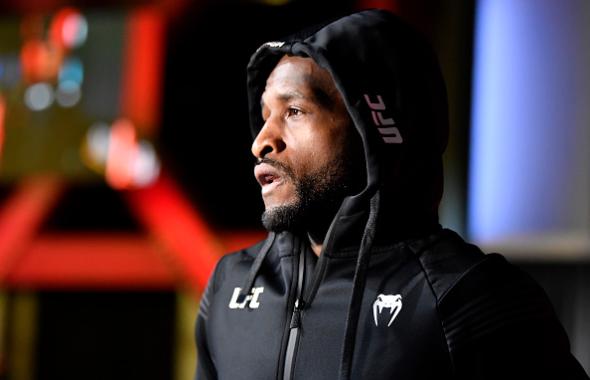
x=146 y=167
x=97 y=142
x=121 y=155
x=75 y=30
x=68 y=93
x=69 y=28
x=39 y=96
x=126 y=162
x=529 y=176
x=71 y=70
x=40 y=61
x=142 y=68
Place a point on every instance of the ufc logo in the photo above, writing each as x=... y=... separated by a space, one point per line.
x=250 y=300
x=390 y=135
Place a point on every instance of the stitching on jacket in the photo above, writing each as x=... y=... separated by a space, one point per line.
x=442 y=327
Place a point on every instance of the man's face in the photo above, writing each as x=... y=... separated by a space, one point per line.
x=303 y=150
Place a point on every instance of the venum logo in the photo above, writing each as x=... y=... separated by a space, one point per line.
x=389 y=134
x=393 y=302
x=251 y=300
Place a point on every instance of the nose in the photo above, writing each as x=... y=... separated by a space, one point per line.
x=269 y=140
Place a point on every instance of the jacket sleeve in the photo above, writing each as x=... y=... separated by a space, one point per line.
x=205 y=366
x=499 y=324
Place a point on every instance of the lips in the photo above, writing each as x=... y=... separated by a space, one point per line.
x=268 y=177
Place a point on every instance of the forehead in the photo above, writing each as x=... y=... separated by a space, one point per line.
x=302 y=76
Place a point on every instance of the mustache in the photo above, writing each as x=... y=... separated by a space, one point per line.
x=284 y=168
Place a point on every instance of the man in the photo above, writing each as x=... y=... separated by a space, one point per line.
x=357 y=280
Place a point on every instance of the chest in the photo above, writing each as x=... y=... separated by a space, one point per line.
x=398 y=331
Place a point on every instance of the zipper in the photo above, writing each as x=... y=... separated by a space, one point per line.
x=303 y=300
x=295 y=323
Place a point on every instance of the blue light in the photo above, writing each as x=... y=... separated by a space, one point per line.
x=72 y=70
x=529 y=164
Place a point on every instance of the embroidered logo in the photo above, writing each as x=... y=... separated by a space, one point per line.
x=389 y=134
x=393 y=302
x=271 y=44
x=274 y=44
x=251 y=300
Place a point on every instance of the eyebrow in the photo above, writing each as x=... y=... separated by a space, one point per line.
x=319 y=95
x=287 y=96
x=322 y=97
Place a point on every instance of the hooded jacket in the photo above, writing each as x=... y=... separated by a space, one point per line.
x=392 y=295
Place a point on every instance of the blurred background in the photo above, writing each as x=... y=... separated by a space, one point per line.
x=125 y=170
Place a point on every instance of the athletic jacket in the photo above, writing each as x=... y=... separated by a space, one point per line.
x=392 y=294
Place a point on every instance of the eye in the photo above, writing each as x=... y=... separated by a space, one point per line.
x=294 y=112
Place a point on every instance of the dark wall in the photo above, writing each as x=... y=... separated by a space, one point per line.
x=205 y=135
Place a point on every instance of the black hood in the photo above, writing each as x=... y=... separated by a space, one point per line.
x=393 y=89
x=391 y=84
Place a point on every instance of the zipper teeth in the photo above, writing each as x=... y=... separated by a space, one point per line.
x=289 y=360
x=295 y=322
x=301 y=301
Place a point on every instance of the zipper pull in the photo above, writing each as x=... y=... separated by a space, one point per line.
x=296 y=318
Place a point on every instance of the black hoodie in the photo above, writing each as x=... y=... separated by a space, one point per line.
x=392 y=295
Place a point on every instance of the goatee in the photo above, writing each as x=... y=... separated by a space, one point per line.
x=319 y=196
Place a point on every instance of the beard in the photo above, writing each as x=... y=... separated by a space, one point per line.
x=318 y=197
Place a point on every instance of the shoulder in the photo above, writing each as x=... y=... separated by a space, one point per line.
x=490 y=297
x=463 y=278
x=229 y=262
x=496 y=319
x=479 y=294
x=473 y=288
x=445 y=259
x=234 y=265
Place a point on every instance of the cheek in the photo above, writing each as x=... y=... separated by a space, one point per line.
x=331 y=142
x=317 y=152
x=316 y=144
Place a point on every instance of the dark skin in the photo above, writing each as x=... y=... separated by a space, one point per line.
x=306 y=127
